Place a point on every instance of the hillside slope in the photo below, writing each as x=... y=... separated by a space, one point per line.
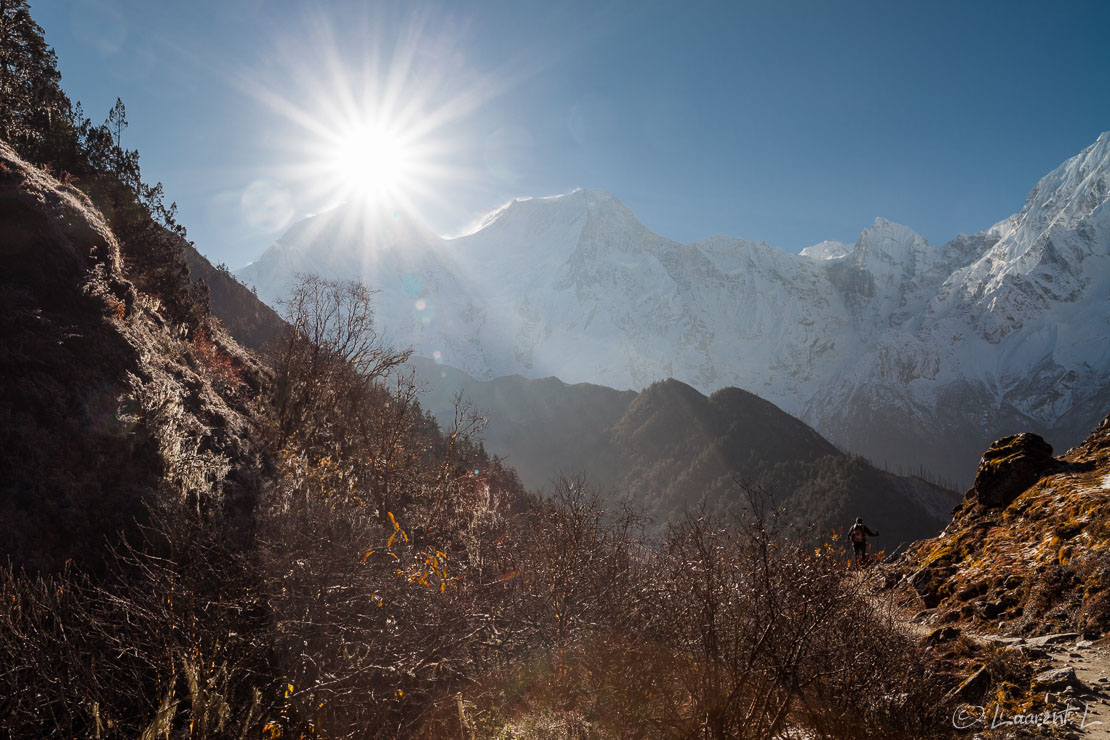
x=1028 y=550
x=251 y=322
x=104 y=404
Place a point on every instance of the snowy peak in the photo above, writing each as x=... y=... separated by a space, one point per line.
x=532 y=236
x=1074 y=189
x=1055 y=252
x=352 y=240
x=1064 y=197
x=359 y=228
x=886 y=242
x=567 y=209
x=894 y=348
x=827 y=250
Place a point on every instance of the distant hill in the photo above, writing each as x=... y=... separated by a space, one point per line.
x=544 y=427
x=669 y=446
x=251 y=322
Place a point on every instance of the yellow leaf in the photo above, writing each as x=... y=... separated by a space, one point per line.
x=289 y=690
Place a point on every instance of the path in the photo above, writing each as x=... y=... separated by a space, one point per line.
x=1091 y=662
x=1089 y=699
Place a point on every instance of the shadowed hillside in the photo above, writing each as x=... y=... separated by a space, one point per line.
x=669 y=447
x=104 y=401
x=251 y=322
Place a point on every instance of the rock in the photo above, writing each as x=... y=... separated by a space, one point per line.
x=1052 y=639
x=1029 y=653
x=1056 y=679
x=923 y=616
x=967 y=593
x=927 y=582
x=1009 y=467
x=972 y=689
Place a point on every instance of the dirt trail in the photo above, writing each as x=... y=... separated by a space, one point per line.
x=1088 y=699
x=1091 y=662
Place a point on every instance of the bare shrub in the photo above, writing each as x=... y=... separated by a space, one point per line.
x=171 y=638
x=777 y=633
x=331 y=352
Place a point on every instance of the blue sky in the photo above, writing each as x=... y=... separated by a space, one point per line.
x=784 y=121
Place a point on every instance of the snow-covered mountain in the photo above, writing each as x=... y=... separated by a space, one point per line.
x=914 y=355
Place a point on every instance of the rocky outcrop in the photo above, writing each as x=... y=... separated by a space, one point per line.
x=971 y=689
x=1009 y=467
x=1027 y=551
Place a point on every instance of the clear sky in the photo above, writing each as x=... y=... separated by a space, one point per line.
x=777 y=120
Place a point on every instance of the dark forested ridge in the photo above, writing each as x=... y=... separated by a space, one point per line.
x=669 y=448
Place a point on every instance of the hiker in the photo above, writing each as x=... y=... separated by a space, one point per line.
x=859 y=533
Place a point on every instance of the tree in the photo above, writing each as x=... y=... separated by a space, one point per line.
x=331 y=351
x=31 y=99
x=117 y=122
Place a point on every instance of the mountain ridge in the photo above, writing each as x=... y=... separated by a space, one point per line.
x=908 y=352
x=670 y=449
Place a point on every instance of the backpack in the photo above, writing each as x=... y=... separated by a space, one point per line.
x=857 y=533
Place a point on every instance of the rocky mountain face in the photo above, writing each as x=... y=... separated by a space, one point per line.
x=669 y=449
x=908 y=353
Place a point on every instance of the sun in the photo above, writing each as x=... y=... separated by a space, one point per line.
x=372 y=162
x=386 y=123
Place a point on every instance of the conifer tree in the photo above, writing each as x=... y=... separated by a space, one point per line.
x=31 y=100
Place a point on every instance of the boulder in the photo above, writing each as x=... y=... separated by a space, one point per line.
x=927 y=582
x=1009 y=467
x=1056 y=679
x=1053 y=639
